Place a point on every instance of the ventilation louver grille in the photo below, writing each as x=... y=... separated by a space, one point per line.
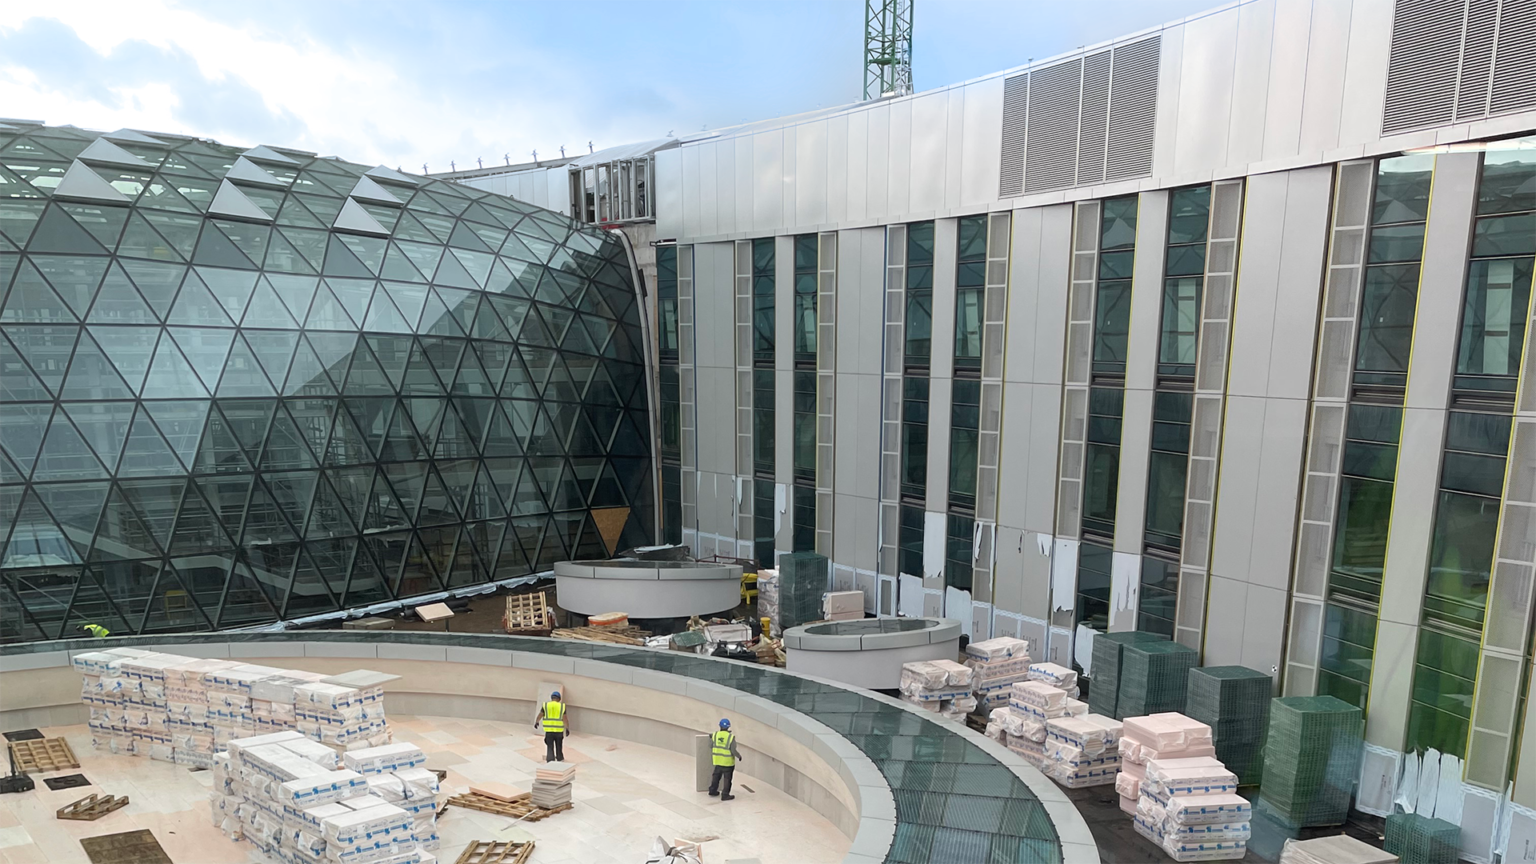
x=1459 y=61
x=1080 y=122
x=1015 y=108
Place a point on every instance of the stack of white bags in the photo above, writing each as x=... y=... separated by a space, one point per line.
x=940 y=686
x=1156 y=736
x=1046 y=724
x=1181 y=797
x=184 y=710
x=996 y=664
x=296 y=801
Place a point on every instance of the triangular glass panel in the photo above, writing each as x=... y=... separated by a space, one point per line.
x=334 y=351
x=418 y=573
x=529 y=498
x=293 y=491
x=535 y=334
x=493 y=359
x=606 y=491
x=47 y=349
x=519 y=544
x=354 y=294
x=296 y=292
x=487 y=324
x=483 y=216
x=503 y=474
x=398 y=266
x=501 y=438
x=229 y=201
x=368 y=250
x=517 y=383
x=285 y=446
x=92 y=375
x=251 y=239
x=327 y=313
x=125 y=534
x=243 y=375
x=409 y=299
x=74 y=278
x=476 y=414
x=265 y=526
x=249 y=172
x=171 y=376
x=426 y=415
x=170 y=606
x=407 y=479
x=435 y=318
x=325 y=207
x=492 y=237
x=437 y=507
x=393 y=352
x=282 y=257
x=347 y=445
x=307 y=376
x=83 y=184
x=263 y=153
x=147 y=454
x=472 y=379
x=310 y=244
x=178 y=230
x=104 y=223
x=155 y=503
x=461 y=304
x=480 y=500
x=119 y=302
x=419 y=378
x=222 y=451
x=368 y=584
x=444 y=355
x=350 y=488
x=513 y=312
x=216 y=250
x=295 y=213
x=232 y=288
x=539 y=362
x=156 y=281
x=384 y=215
x=196 y=306
x=255 y=605
x=367 y=190
x=320 y=577
x=477 y=264
x=266 y=310
x=384 y=317
x=206 y=348
x=453 y=441
x=400 y=439
x=452 y=273
x=65 y=455
x=273 y=349
x=411 y=228
x=366 y=375
x=36 y=541
x=92 y=605
x=181 y=422
x=32 y=301
x=353 y=218
x=553 y=549
x=18 y=384
x=372 y=417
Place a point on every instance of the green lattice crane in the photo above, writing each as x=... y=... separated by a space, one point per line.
x=887 y=48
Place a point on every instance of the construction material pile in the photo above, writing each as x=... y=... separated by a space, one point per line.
x=1311 y=759
x=1154 y=678
x=552 y=785
x=1234 y=702
x=1190 y=807
x=1337 y=849
x=802 y=582
x=768 y=601
x=184 y=710
x=1082 y=750
x=1108 y=654
x=843 y=606
x=1160 y=736
x=296 y=801
x=1418 y=838
x=940 y=686
x=1031 y=704
x=996 y=665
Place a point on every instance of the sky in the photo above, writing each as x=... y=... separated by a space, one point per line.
x=413 y=84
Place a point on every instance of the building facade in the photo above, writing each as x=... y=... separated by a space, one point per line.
x=1217 y=330
x=241 y=386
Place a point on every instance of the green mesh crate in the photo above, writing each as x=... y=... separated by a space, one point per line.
x=1311 y=758
x=1154 y=678
x=1268 y=832
x=802 y=584
x=1104 y=684
x=1234 y=702
x=1417 y=839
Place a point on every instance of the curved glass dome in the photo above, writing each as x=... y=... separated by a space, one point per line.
x=238 y=386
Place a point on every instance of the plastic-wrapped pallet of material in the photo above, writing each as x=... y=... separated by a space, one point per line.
x=998 y=649
x=1234 y=702
x=956 y=674
x=1082 y=751
x=389 y=758
x=1032 y=751
x=1311 y=759
x=1039 y=695
x=1219 y=809
x=922 y=675
x=1052 y=674
x=1154 y=678
x=1337 y=849
x=1090 y=734
x=1169 y=735
x=1194 y=780
x=1422 y=840
x=768 y=599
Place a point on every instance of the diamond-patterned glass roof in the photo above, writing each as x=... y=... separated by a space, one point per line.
x=238 y=386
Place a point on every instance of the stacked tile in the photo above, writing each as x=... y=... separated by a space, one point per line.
x=397 y=775
x=117 y=701
x=1422 y=840
x=1311 y=759
x=292 y=799
x=1082 y=750
x=1337 y=849
x=802 y=582
x=343 y=717
x=1030 y=705
x=552 y=785
x=1234 y=702
x=1159 y=736
x=940 y=686
x=996 y=665
x=1104 y=686
x=1190 y=807
x=1154 y=678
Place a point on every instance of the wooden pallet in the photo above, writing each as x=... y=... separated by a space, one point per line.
x=495 y=852
x=520 y=808
x=528 y=615
x=92 y=807
x=42 y=755
x=611 y=635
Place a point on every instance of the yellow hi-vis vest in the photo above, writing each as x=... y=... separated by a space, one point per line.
x=554 y=716
x=722 y=748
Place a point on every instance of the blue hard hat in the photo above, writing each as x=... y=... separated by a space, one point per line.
x=725 y=724
x=555 y=695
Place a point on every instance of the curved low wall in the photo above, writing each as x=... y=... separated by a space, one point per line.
x=648 y=589
x=869 y=653
x=846 y=768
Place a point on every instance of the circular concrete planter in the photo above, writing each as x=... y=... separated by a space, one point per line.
x=869 y=653
x=648 y=589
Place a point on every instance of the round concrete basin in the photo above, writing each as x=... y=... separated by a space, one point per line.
x=869 y=653
x=648 y=589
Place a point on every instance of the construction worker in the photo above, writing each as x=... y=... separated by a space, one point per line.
x=551 y=718
x=96 y=630
x=725 y=756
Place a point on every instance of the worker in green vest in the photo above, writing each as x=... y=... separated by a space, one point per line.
x=551 y=718
x=725 y=756
x=96 y=630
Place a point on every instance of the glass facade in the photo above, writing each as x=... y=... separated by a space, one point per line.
x=238 y=388
x=764 y=392
x=671 y=444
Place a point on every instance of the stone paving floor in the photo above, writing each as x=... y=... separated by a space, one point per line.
x=625 y=796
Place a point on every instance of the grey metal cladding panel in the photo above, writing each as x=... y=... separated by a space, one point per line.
x=1093 y=118
x=1476 y=59
x=1132 y=122
x=1250 y=82
x=877 y=165
x=857 y=156
x=1135 y=456
x=1437 y=319
x=1421 y=69
x=1050 y=160
x=1166 y=123
x=1016 y=454
x=899 y=140
x=1307 y=208
x=1045 y=438
x=811 y=174
x=1015 y=123
x=744 y=165
x=954 y=147
x=871 y=294
x=669 y=194
x=945 y=252
x=787 y=178
x=1228 y=602
x=709 y=192
x=1514 y=64
x=1413 y=506
x=1205 y=92
x=1023 y=288
x=1264 y=630
x=1287 y=73
x=930 y=138
x=837 y=169
x=1147 y=290
x=690 y=191
x=725 y=187
x=768 y=179
x=1258 y=285
x=1279 y=492
x=980 y=148
x=1327 y=60
x=1049 y=343
x=1242 y=450
x=939 y=393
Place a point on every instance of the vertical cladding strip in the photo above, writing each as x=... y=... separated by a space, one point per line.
x=826 y=385
x=783 y=391
x=1214 y=349
x=893 y=360
x=1421 y=80
x=1132 y=116
x=745 y=528
x=990 y=428
x=687 y=375
x=1335 y=360
x=1015 y=134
